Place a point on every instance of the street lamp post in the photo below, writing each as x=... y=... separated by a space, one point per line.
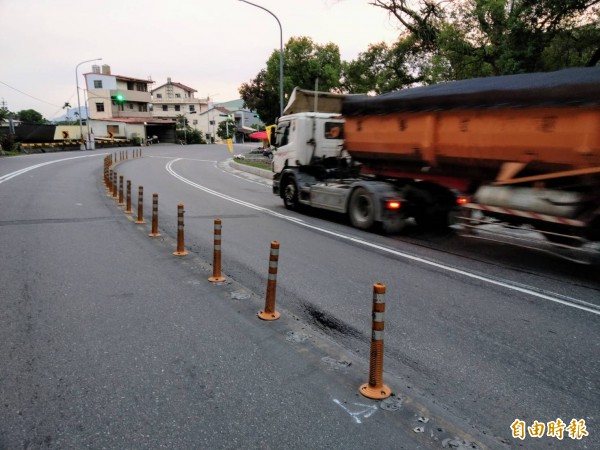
x=82 y=146
x=280 y=55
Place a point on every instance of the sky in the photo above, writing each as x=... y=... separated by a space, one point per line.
x=212 y=46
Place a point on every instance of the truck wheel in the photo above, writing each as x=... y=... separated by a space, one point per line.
x=362 y=209
x=290 y=194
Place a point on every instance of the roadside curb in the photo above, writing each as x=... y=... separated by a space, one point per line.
x=253 y=170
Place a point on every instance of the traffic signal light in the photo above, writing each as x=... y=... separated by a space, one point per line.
x=119 y=98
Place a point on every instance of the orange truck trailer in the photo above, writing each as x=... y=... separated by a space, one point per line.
x=517 y=151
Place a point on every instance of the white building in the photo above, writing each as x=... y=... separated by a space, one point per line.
x=119 y=107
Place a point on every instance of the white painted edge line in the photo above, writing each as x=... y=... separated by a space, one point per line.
x=16 y=173
x=566 y=301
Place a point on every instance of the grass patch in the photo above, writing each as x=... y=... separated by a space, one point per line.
x=260 y=165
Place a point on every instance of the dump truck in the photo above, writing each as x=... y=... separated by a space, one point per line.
x=517 y=151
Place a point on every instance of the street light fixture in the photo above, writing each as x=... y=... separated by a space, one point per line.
x=82 y=146
x=280 y=55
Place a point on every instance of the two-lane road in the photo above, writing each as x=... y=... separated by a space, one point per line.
x=485 y=333
x=492 y=333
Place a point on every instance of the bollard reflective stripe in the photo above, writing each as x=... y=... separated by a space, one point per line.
x=375 y=389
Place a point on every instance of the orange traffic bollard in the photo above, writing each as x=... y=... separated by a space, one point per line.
x=115 y=192
x=180 y=242
x=217 y=254
x=155 y=232
x=269 y=312
x=375 y=389
x=140 y=214
x=110 y=182
x=128 y=207
x=121 y=202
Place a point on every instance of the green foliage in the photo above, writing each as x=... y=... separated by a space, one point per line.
x=473 y=38
x=31 y=116
x=6 y=114
x=226 y=129
x=440 y=40
x=190 y=136
x=304 y=63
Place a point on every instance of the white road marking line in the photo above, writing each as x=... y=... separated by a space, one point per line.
x=566 y=301
x=11 y=175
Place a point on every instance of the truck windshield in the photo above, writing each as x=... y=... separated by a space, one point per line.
x=281 y=135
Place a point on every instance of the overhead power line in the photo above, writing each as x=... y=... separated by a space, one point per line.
x=31 y=96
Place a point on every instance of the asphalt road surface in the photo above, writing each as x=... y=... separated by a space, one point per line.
x=108 y=340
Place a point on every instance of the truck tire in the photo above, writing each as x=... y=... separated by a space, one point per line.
x=290 y=194
x=436 y=207
x=361 y=209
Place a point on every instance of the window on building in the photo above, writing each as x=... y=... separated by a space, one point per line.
x=143 y=107
x=97 y=84
x=177 y=95
x=112 y=129
x=130 y=85
x=131 y=106
x=99 y=107
x=165 y=107
x=192 y=108
x=177 y=108
x=142 y=87
x=158 y=95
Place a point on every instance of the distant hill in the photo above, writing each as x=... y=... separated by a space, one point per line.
x=232 y=105
x=71 y=115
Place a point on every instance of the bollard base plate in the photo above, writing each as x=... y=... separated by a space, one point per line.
x=374 y=392
x=183 y=253
x=154 y=235
x=128 y=211
x=140 y=221
x=268 y=315
x=216 y=279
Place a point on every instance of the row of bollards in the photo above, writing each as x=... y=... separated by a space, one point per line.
x=373 y=389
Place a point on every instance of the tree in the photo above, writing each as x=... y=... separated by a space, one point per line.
x=226 y=129
x=447 y=40
x=304 y=63
x=31 y=116
x=6 y=114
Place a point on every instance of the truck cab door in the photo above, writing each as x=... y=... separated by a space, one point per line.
x=285 y=153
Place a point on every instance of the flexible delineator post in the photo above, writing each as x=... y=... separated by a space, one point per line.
x=155 y=232
x=217 y=254
x=269 y=312
x=375 y=389
x=115 y=192
x=140 y=212
x=128 y=207
x=121 y=203
x=109 y=186
x=180 y=238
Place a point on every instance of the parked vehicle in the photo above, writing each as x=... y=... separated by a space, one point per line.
x=520 y=150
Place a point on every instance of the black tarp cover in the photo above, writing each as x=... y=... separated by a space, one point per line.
x=577 y=86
